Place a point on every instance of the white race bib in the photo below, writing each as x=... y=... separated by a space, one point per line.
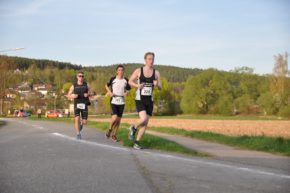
x=117 y=100
x=146 y=91
x=81 y=106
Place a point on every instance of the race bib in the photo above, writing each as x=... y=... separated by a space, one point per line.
x=81 y=106
x=118 y=100
x=146 y=91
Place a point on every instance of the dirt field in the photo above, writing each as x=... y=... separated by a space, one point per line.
x=226 y=127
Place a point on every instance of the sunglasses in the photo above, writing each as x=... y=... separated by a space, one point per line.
x=81 y=76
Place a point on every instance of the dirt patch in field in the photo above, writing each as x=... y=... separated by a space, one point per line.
x=275 y=128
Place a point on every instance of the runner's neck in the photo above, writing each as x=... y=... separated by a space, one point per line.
x=119 y=77
x=80 y=82
x=147 y=67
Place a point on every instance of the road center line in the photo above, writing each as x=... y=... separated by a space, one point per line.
x=176 y=157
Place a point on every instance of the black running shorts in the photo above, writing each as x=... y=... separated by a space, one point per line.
x=81 y=112
x=117 y=110
x=145 y=105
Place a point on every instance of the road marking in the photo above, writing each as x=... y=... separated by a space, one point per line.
x=90 y=142
x=255 y=171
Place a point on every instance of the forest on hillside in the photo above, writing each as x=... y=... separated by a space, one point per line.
x=185 y=90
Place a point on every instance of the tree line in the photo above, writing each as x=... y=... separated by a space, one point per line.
x=185 y=90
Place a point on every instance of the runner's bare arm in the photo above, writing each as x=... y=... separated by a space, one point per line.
x=70 y=94
x=90 y=93
x=109 y=92
x=133 y=79
x=159 y=82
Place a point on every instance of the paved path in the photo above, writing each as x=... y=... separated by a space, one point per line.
x=43 y=156
x=229 y=153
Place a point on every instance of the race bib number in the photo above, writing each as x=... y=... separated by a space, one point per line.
x=146 y=91
x=81 y=106
x=118 y=101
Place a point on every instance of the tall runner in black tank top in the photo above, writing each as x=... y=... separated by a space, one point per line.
x=80 y=93
x=144 y=80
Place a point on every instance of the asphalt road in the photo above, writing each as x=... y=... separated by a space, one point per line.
x=43 y=156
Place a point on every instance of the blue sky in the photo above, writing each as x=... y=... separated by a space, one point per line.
x=222 y=34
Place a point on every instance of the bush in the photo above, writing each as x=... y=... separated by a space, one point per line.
x=224 y=105
x=284 y=111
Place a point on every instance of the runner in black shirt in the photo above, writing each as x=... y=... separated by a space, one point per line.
x=144 y=79
x=80 y=93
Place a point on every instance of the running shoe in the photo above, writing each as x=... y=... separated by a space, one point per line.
x=79 y=136
x=108 y=134
x=137 y=145
x=114 y=138
x=132 y=132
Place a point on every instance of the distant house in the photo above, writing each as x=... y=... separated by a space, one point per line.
x=42 y=88
x=23 y=88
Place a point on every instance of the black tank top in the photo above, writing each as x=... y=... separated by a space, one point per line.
x=148 y=82
x=80 y=90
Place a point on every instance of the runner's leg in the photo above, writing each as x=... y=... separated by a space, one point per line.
x=113 y=121
x=116 y=126
x=145 y=119
x=77 y=124
x=142 y=119
x=112 y=125
x=77 y=127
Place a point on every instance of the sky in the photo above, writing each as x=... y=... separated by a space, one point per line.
x=222 y=34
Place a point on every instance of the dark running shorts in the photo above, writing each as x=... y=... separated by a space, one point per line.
x=81 y=112
x=145 y=105
x=117 y=110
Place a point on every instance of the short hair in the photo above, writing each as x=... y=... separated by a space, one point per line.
x=120 y=66
x=149 y=53
x=80 y=72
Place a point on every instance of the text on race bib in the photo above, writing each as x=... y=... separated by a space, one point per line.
x=81 y=105
x=146 y=91
x=118 y=100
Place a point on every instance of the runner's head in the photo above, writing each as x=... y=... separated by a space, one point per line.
x=120 y=70
x=149 y=58
x=80 y=76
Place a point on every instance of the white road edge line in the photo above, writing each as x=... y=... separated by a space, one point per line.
x=90 y=142
x=176 y=157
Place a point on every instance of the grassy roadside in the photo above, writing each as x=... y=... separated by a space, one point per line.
x=276 y=145
x=148 y=141
x=260 y=143
x=201 y=117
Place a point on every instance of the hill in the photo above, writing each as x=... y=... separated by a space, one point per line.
x=171 y=73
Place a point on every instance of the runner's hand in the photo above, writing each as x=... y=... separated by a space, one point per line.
x=140 y=86
x=110 y=94
x=74 y=96
x=86 y=94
